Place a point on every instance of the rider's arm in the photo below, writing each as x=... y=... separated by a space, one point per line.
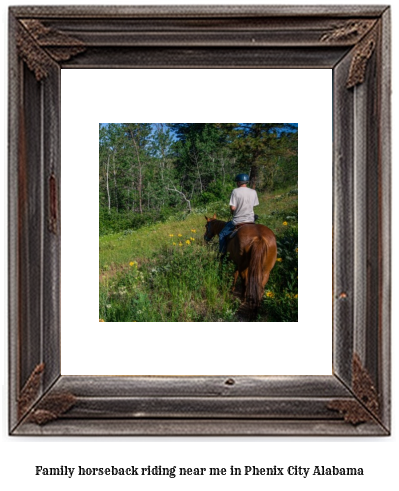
x=233 y=209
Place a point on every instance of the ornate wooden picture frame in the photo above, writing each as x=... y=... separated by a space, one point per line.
x=352 y=41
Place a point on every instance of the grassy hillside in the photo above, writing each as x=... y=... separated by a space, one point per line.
x=166 y=273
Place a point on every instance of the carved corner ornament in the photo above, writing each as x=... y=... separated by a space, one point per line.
x=49 y=408
x=351 y=31
x=367 y=405
x=30 y=391
x=39 y=46
x=363 y=33
x=362 y=54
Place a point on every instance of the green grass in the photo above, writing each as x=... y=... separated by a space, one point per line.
x=180 y=284
x=166 y=273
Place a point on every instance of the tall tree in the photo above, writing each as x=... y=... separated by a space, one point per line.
x=254 y=144
x=196 y=151
x=138 y=135
x=104 y=153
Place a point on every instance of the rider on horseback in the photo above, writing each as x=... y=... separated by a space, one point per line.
x=242 y=202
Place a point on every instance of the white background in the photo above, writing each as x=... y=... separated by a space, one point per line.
x=378 y=456
x=296 y=348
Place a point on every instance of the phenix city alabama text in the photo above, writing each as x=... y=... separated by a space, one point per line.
x=249 y=470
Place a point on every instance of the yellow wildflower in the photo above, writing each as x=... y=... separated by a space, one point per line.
x=170 y=235
x=296 y=296
x=270 y=294
x=132 y=263
x=296 y=250
x=188 y=242
x=193 y=231
x=180 y=244
x=179 y=235
x=174 y=243
x=285 y=224
x=102 y=320
x=192 y=238
x=279 y=259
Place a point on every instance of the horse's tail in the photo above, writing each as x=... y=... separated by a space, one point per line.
x=254 y=289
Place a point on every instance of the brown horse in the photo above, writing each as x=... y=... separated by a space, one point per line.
x=253 y=250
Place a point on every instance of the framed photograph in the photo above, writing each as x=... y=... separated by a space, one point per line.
x=350 y=42
x=166 y=229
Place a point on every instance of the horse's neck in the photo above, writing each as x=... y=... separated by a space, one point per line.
x=218 y=226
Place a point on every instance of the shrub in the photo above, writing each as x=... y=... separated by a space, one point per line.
x=281 y=295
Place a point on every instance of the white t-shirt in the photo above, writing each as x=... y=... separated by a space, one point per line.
x=244 y=199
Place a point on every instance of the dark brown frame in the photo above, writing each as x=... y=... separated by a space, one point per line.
x=353 y=41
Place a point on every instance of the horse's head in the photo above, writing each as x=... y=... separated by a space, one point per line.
x=209 y=229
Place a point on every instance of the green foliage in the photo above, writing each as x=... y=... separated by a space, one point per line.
x=155 y=169
x=267 y=150
x=281 y=295
x=217 y=191
x=201 y=160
